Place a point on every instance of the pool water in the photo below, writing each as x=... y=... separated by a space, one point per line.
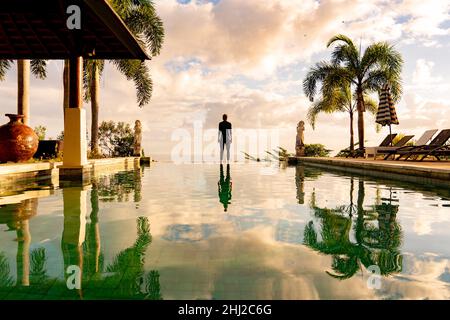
x=246 y=231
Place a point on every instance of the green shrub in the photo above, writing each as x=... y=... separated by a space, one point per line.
x=41 y=132
x=116 y=139
x=316 y=150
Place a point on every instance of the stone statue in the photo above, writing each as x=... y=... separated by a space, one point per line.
x=137 y=139
x=300 y=141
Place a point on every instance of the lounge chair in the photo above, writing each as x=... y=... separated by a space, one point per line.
x=385 y=143
x=374 y=151
x=423 y=140
x=436 y=147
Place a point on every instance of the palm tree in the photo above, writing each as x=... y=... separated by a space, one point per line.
x=366 y=72
x=24 y=67
x=339 y=99
x=141 y=18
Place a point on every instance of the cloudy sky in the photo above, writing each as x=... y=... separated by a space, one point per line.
x=248 y=59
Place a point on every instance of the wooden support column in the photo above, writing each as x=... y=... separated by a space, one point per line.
x=75 y=165
x=75 y=82
x=74 y=234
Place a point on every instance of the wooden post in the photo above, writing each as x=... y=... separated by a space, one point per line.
x=75 y=82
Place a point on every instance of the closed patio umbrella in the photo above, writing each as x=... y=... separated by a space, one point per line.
x=386 y=114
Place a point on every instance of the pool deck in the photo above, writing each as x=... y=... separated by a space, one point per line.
x=13 y=173
x=436 y=172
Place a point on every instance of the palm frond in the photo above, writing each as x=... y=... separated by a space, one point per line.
x=346 y=53
x=340 y=37
x=137 y=71
x=141 y=17
x=6 y=279
x=39 y=68
x=38 y=272
x=382 y=63
x=153 y=287
x=317 y=108
x=316 y=74
x=370 y=104
x=146 y=24
x=335 y=99
x=5 y=65
x=89 y=67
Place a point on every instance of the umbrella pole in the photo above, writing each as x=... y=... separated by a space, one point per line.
x=390 y=133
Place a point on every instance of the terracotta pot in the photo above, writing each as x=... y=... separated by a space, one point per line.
x=18 y=142
x=13 y=214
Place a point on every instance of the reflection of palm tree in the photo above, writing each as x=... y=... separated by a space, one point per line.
x=38 y=273
x=23 y=253
x=28 y=208
x=225 y=188
x=5 y=278
x=127 y=271
x=335 y=235
x=30 y=265
x=138 y=185
x=128 y=267
x=118 y=187
x=92 y=246
x=374 y=246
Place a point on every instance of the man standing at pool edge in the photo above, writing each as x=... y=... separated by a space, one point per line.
x=225 y=137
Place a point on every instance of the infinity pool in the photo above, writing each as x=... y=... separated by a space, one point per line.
x=247 y=231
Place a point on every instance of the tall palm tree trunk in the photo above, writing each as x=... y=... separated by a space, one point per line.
x=95 y=98
x=23 y=254
x=352 y=134
x=95 y=227
x=361 y=195
x=360 y=107
x=360 y=212
x=352 y=188
x=23 y=86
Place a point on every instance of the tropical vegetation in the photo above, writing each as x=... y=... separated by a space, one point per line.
x=37 y=67
x=116 y=139
x=142 y=19
x=353 y=73
x=340 y=99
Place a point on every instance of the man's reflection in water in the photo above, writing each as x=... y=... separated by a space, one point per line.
x=225 y=188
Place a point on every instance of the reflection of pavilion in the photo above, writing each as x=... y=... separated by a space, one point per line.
x=16 y=210
x=81 y=248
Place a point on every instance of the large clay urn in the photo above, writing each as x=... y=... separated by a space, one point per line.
x=18 y=142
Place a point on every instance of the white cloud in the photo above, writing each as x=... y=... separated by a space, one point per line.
x=422 y=74
x=247 y=58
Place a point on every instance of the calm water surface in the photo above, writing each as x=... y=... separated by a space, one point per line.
x=243 y=232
